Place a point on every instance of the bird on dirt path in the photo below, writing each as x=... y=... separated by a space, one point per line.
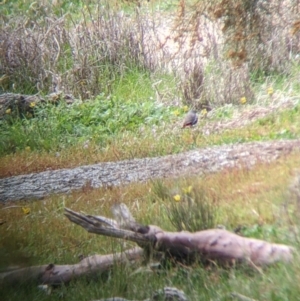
x=190 y=119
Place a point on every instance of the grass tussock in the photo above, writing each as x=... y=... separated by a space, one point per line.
x=190 y=209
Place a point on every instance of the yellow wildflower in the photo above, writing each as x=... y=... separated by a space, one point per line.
x=176 y=112
x=26 y=210
x=187 y=189
x=176 y=198
x=185 y=108
x=270 y=91
x=32 y=104
x=27 y=148
x=243 y=100
x=204 y=112
x=8 y=111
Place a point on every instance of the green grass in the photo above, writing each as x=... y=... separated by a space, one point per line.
x=16 y=7
x=201 y=284
x=130 y=108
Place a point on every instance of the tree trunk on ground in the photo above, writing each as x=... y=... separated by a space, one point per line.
x=19 y=104
x=217 y=245
x=195 y=162
x=57 y=274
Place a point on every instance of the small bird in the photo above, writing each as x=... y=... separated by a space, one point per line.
x=190 y=119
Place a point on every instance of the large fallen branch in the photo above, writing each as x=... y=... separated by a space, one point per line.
x=56 y=274
x=20 y=104
x=217 y=245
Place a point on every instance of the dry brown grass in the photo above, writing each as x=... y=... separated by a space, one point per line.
x=46 y=53
x=260 y=33
x=31 y=162
x=210 y=47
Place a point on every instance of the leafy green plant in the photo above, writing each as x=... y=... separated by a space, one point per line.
x=61 y=126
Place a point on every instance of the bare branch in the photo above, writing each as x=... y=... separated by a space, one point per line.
x=217 y=245
x=93 y=225
x=57 y=274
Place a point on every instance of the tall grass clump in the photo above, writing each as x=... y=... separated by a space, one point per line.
x=49 y=53
x=193 y=211
x=188 y=208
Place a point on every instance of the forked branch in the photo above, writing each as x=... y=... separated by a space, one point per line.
x=216 y=245
x=107 y=227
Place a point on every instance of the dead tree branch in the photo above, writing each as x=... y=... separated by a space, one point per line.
x=20 y=104
x=57 y=274
x=217 y=245
x=96 y=224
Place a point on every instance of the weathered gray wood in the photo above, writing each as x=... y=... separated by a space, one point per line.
x=21 y=104
x=57 y=274
x=94 y=224
x=17 y=102
x=197 y=162
x=217 y=245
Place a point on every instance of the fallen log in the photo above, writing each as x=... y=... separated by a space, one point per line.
x=109 y=174
x=21 y=104
x=216 y=245
x=57 y=274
